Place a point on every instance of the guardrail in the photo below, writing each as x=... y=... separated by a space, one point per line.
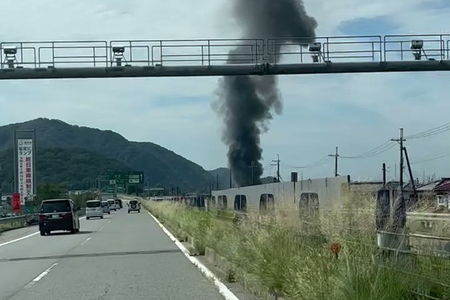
x=210 y=52
x=16 y=222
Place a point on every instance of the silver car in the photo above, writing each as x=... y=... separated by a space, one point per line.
x=112 y=204
x=94 y=209
x=105 y=206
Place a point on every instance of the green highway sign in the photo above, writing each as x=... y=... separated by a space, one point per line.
x=126 y=177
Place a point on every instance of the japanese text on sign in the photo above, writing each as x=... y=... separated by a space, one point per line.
x=25 y=169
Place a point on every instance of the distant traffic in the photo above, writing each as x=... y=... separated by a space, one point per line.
x=64 y=215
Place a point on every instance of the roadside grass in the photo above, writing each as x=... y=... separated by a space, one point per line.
x=291 y=256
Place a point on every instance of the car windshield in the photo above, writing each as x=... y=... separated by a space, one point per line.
x=93 y=204
x=55 y=206
x=133 y=202
x=104 y=204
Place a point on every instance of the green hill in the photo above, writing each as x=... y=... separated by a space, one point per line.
x=102 y=150
x=75 y=168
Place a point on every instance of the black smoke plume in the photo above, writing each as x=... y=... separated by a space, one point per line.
x=246 y=102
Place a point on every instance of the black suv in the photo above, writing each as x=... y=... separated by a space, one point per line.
x=58 y=214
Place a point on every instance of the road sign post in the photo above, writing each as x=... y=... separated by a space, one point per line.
x=124 y=179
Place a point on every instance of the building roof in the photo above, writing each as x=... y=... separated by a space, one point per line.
x=441 y=185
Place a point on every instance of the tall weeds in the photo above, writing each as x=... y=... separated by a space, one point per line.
x=288 y=252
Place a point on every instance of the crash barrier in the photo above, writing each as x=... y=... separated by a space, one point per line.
x=10 y=223
x=426 y=233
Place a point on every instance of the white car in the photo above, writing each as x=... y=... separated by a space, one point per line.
x=112 y=204
x=94 y=209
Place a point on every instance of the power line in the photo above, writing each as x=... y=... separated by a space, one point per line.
x=425 y=160
x=429 y=132
x=318 y=163
x=386 y=146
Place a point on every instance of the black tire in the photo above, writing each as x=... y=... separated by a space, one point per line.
x=73 y=230
x=101 y=217
x=128 y=211
x=42 y=233
x=87 y=218
x=139 y=210
x=47 y=232
x=109 y=213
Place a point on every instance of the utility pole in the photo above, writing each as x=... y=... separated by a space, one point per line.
x=253 y=177
x=277 y=163
x=336 y=157
x=231 y=181
x=278 y=168
x=400 y=207
x=400 y=140
x=384 y=175
x=217 y=181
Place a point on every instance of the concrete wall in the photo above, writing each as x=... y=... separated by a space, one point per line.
x=330 y=191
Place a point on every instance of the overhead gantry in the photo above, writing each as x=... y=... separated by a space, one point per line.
x=211 y=57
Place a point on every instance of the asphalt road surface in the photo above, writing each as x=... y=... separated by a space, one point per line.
x=123 y=256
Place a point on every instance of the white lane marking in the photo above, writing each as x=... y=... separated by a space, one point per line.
x=109 y=221
x=100 y=228
x=85 y=241
x=19 y=239
x=24 y=237
x=40 y=276
x=223 y=289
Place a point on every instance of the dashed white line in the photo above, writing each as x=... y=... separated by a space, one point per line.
x=40 y=276
x=100 y=228
x=223 y=289
x=85 y=241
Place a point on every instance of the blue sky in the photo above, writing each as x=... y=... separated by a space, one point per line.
x=356 y=112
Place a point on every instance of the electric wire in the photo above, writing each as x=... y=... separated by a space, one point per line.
x=430 y=132
x=384 y=147
x=318 y=163
x=425 y=160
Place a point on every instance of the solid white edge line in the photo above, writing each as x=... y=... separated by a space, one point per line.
x=223 y=289
x=24 y=237
x=19 y=239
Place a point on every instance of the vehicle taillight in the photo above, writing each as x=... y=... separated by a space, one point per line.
x=43 y=217
x=67 y=215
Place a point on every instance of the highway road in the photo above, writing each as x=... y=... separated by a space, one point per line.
x=123 y=256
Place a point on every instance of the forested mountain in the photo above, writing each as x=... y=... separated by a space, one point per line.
x=75 y=155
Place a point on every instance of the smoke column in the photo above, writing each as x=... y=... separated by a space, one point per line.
x=246 y=102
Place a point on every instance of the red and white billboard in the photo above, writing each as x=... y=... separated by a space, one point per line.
x=25 y=176
x=15 y=203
